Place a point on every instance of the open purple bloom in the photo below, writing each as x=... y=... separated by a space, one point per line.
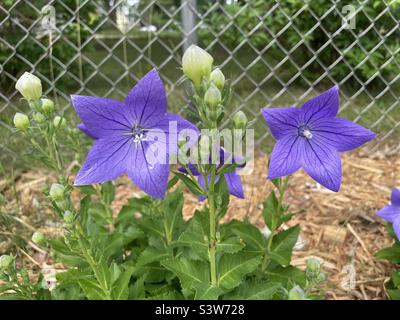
x=134 y=137
x=391 y=213
x=232 y=178
x=310 y=137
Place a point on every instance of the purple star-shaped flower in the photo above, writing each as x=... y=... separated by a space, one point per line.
x=310 y=137
x=232 y=178
x=134 y=137
x=391 y=213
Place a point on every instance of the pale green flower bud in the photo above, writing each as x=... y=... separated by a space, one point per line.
x=218 y=78
x=59 y=122
x=38 y=238
x=313 y=265
x=21 y=121
x=68 y=217
x=29 y=86
x=196 y=64
x=204 y=149
x=297 y=293
x=47 y=105
x=39 y=117
x=240 y=120
x=6 y=262
x=212 y=97
x=57 y=192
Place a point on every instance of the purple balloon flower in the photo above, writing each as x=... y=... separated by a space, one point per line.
x=134 y=137
x=310 y=137
x=232 y=178
x=391 y=213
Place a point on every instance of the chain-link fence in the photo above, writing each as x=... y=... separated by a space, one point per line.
x=276 y=53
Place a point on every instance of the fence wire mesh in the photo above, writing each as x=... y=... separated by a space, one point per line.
x=276 y=53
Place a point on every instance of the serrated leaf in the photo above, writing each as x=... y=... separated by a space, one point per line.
x=92 y=289
x=230 y=245
x=207 y=292
x=286 y=276
x=150 y=255
x=121 y=285
x=233 y=267
x=282 y=245
x=250 y=234
x=189 y=272
x=195 y=235
x=254 y=290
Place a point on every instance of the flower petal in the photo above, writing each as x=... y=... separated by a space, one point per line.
x=389 y=213
x=322 y=163
x=323 y=106
x=83 y=128
x=147 y=171
x=286 y=157
x=192 y=168
x=106 y=161
x=342 y=134
x=147 y=101
x=281 y=121
x=234 y=184
x=396 y=228
x=176 y=127
x=102 y=117
x=395 y=197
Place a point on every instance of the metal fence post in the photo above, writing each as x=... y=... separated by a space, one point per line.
x=188 y=15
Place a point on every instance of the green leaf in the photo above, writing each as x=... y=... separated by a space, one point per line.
x=121 y=285
x=189 y=272
x=151 y=255
x=172 y=182
x=195 y=236
x=254 y=290
x=137 y=291
x=230 y=245
x=250 y=234
x=172 y=207
x=282 y=245
x=222 y=197
x=396 y=279
x=286 y=276
x=107 y=192
x=233 y=267
x=271 y=212
x=92 y=290
x=193 y=187
x=207 y=292
x=392 y=254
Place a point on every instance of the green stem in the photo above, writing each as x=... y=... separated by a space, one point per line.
x=212 y=244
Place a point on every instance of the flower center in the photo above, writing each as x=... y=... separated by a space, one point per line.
x=305 y=132
x=139 y=134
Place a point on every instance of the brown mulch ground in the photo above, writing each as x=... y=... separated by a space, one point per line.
x=338 y=228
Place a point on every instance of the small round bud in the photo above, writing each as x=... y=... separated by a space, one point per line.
x=47 y=105
x=196 y=64
x=6 y=262
x=59 y=122
x=313 y=265
x=212 y=97
x=39 y=117
x=68 y=217
x=38 y=238
x=204 y=149
x=21 y=121
x=57 y=192
x=218 y=78
x=29 y=86
x=297 y=293
x=240 y=120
